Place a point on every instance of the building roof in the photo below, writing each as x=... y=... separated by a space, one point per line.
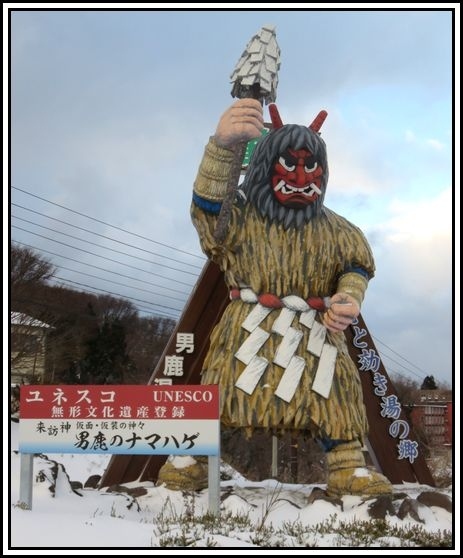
x=18 y=318
x=433 y=396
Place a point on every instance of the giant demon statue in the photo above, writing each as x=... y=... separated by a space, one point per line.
x=297 y=274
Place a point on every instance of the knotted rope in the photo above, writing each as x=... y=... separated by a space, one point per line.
x=269 y=300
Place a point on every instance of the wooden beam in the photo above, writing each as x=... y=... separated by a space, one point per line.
x=202 y=311
x=383 y=444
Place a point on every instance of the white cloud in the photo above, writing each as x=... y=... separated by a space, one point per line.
x=416 y=246
x=419 y=221
x=356 y=160
x=409 y=302
x=435 y=144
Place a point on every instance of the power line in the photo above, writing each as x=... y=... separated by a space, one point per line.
x=108 y=224
x=104 y=247
x=399 y=355
x=398 y=373
x=122 y=284
x=102 y=257
x=85 y=315
x=401 y=365
x=100 y=235
x=56 y=277
x=100 y=268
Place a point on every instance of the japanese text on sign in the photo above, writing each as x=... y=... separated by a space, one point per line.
x=370 y=361
x=173 y=364
x=120 y=419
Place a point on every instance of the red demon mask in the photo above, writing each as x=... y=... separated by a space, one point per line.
x=296 y=178
x=297 y=174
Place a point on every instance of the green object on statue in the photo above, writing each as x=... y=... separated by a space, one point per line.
x=251 y=146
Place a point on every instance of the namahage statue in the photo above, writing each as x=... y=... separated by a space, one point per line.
x=297 y=274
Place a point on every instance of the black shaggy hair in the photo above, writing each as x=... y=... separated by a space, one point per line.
x=257 y=183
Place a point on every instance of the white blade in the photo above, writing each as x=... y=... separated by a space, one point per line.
x=284 y=321
x=325 y=371
x=307 y=318
x=251 y=375
x=316 y=339
x=255 y=317
x=290 y=380
x=252 y=345
x=287 y=347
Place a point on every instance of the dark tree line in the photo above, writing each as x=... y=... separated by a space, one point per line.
x=93 y=339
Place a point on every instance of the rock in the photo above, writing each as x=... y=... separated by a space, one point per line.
x=134 y=491
x=320 y=494
x=76 y=485
x=92 y=481
x=430 y=498
x=192 y=477
x=380 y=507
x=399 y=496
x=410 y=507
x=116 y=488
x=137 y=491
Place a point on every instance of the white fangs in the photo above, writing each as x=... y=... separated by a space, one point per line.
x=315 y=188
x=286 y=189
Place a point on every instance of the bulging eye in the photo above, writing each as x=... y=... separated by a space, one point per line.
x=285 y=164
x=306 y=168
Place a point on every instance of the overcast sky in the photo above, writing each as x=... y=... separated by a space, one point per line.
x=110 y=112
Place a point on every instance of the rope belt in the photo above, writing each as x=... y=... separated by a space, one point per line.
x=291 y=334
x=269 y=300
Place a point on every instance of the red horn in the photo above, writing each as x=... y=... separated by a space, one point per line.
x=318 y=121
x=275 y=116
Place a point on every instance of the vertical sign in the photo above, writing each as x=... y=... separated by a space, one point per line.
x=390 y=436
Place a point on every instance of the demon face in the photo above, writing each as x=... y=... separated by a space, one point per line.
x=297 y=177
x=288 y=172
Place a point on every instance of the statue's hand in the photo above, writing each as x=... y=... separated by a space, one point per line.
x=242 y=121
x=342 y=311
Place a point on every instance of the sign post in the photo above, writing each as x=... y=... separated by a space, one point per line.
x=213 y=472
x=25 y=480
x=131 y=420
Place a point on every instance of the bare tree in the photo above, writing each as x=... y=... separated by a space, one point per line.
x=406 y=389
x=28 y=267
x=110 y=308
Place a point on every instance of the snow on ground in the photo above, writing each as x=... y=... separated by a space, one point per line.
x=272 y=514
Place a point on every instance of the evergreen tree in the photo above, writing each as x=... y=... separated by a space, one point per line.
x=106 y=360
x=429 y=383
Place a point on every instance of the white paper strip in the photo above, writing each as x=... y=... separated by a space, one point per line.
x=251 y=375
x=325 y=371
x=308 y=318
x=316 y=339
x=252 y=345
x=287 y=347
x=284 y=321
x=255 y=317
x=290 y=380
